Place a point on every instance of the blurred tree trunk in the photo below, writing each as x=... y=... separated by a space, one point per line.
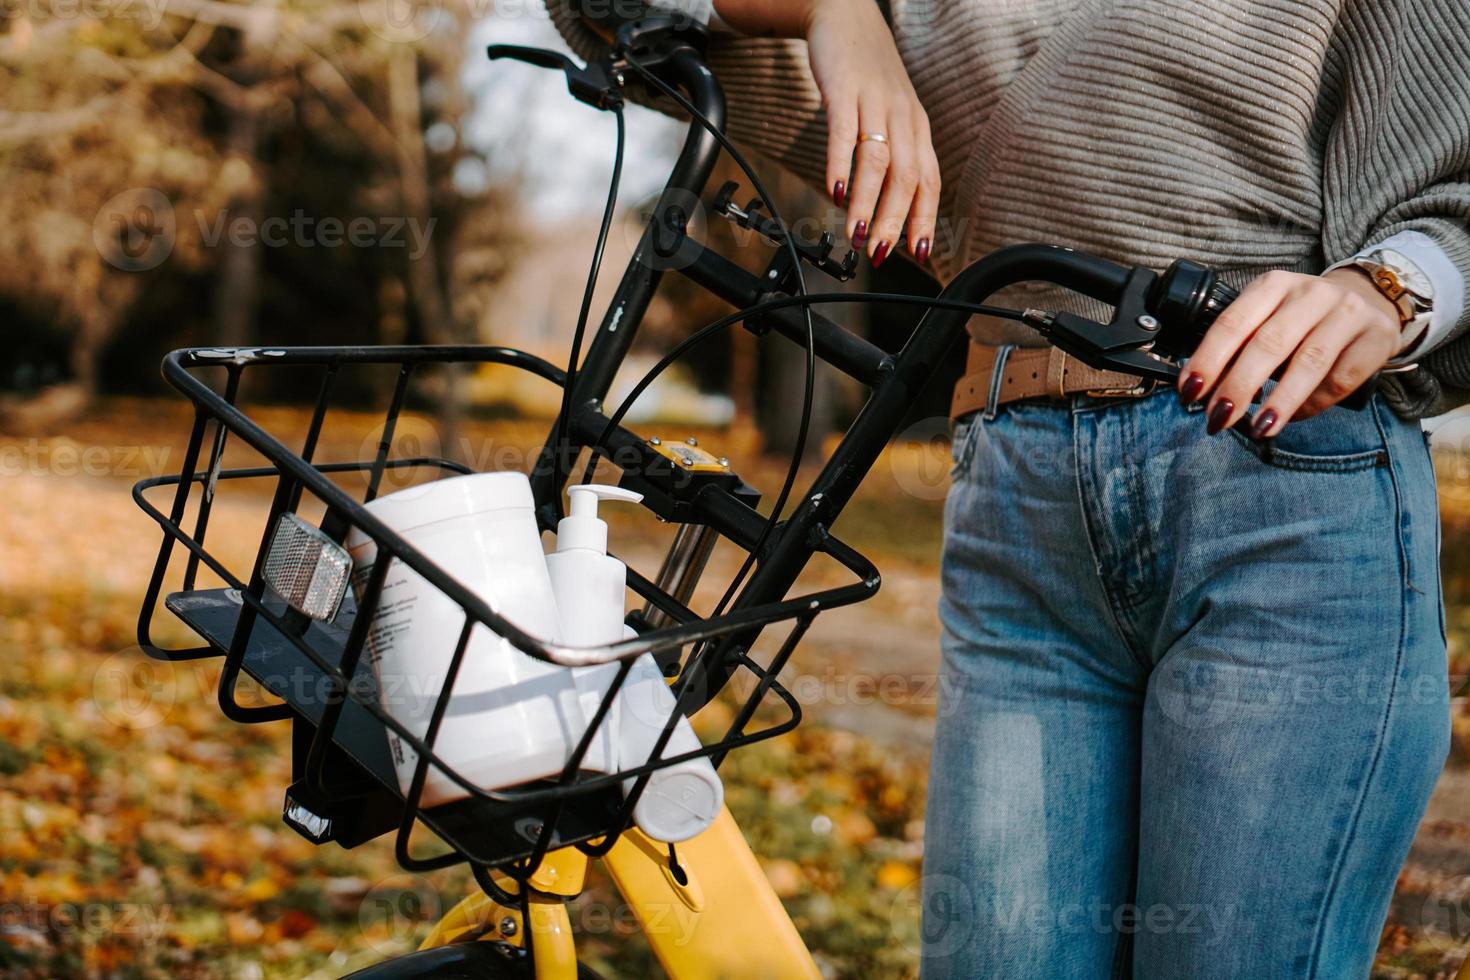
x=237 y=285
x=424 y=281
x=95 y=326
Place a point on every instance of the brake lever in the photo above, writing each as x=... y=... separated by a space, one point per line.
x=1153 y=326
x=595 y=84
x=1125 y=344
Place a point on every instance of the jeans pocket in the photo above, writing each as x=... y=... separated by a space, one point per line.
x=1337 y=441
x=1287 y=459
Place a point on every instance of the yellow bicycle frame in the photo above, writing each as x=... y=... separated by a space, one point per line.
x=722 y=920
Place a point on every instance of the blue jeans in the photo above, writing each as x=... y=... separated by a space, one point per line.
x=1197 y=694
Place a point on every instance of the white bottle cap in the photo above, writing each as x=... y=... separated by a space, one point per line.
x=582 y=528
x=680 y=802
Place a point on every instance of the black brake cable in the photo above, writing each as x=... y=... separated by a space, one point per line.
x=575 y=356
x=769 y=306
x=788 y=243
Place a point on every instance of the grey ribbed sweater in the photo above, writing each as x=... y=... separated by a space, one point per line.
x=1285 y=134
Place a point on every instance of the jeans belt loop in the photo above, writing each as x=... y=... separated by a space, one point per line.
x=997 y=378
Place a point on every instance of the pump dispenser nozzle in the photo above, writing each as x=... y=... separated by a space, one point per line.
x=582 y=528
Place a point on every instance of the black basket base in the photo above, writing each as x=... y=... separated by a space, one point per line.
x=487 y=832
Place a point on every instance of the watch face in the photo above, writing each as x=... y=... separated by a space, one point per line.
x=1409 y=274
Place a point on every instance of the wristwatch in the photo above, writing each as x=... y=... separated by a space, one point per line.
x=1406 y=287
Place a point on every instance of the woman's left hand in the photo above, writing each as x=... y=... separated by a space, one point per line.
x=1330 y=333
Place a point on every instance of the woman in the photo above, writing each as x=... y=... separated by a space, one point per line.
x=1199 y=693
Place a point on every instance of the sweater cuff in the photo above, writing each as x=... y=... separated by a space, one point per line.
x=1432 y=262
x=1441 y=249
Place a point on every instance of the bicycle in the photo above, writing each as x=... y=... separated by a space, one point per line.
x=702 y=902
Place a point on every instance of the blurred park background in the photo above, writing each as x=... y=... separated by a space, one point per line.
x=205 y=173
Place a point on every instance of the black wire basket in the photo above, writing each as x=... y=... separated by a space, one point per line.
x=345 y=785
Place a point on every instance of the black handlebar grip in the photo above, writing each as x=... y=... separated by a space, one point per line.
x=1189 y=297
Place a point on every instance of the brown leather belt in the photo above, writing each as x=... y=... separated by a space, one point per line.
x=1037 y=372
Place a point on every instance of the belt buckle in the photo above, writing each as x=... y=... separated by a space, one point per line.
x=1144 y=388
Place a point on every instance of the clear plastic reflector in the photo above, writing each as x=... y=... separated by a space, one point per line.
x=306 y=568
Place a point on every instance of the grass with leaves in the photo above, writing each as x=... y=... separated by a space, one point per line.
x=140 y=832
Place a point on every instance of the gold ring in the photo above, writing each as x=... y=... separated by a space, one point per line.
x=875 y=137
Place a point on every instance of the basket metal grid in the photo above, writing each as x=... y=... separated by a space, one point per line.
x=317 y=669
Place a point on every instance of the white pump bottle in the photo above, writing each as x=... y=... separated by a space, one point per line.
x=589 y=586
x=589 y=583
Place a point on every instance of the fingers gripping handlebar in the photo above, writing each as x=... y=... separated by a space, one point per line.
x=1158 y=319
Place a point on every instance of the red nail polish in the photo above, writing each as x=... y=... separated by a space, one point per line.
x=839 y=192
x=1194 y=386
x=1263 y=424
x=880 y=253
x=1219 y=415
x=860 y=235
x=921 y=251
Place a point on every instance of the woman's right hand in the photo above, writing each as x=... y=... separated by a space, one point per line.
x=866 y=90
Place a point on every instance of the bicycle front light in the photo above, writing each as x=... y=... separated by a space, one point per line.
x=306 y=568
